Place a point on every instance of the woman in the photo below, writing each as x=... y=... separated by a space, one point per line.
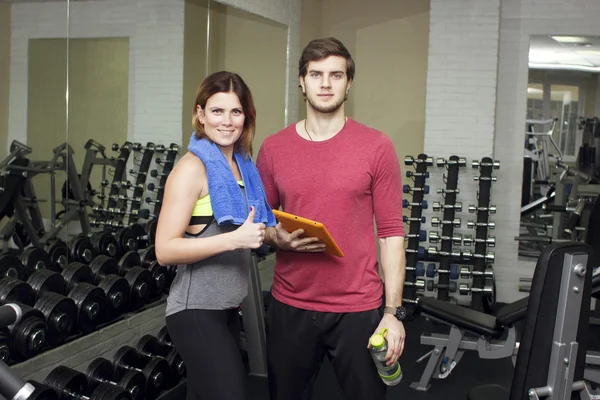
x=214 y=212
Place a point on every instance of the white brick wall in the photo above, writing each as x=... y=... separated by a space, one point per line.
x=519 y=20
x=155 y=29
x=461 y=94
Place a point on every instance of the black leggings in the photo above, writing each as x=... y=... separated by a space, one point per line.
x=207 y=340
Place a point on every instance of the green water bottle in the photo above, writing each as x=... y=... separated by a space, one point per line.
x=390 y=375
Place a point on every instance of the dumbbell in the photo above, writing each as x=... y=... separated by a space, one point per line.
x=420 y=251
x=163 y=337
x=473 y=224
x=139 y=231
x=82 y=249
x=469 y=240
x=406 y=204
x=155 y=369
x=432 y=271
x=443 y=191
x=477 y=164
x=140 y=279
x=122 y=197
x=146 y=214
x=410 y=174
x=151 y=202
x=466 y=273
x=153 y=188
x=485 y=178
x=48 y=289
x=410 y=160
x=101 y=371
x=30 y=334
x=437 y=206
x=435 y=237
x=105 y=243
x=90 y=300
x=71 y=384
x=155 y=174
x=161 y=162
x=116 y=288
x=464 y=289
x=406 y=218
x=11 y=266
x=173 y=148
x=422 y=235
x=411 y=301
x=127 y=240
x=138 y=147
x=116 y=185
x=59 y=254
x=42 y=392
x=488 y=257
x=149 y=346
x=409 y=189
x=419 y=284
x=451 y=286
x=433 y=251
x=435 y=221
x=34 y=258
x=440 y=162
x=159 y=273
x=473 y=209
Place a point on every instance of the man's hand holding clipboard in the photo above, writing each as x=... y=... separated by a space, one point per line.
x=302 y=234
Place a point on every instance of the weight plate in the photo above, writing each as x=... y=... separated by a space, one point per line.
x=159 y=279
x=91 y=305
x=77 y=273
x=14 y=290
x=127 y=240
x=117 y=292
x=65 y=380
x=105 y=243
x=156 y=372
x=34 y=259
x=99 y=370
x=29 y=334
x=140 y=282
x=163 y=336
x=82 y=249
x=151 y=230
x=59 y=254
x=139 y=232
x=10 y=265
x=105 y=391
x=61 y=315
x=134 y=383
x=129 y=260
x=147 y=256
x=44 y=280
x=125 y=359
x=42 y=392
x=102 y=266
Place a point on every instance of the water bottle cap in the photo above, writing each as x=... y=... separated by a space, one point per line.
x=378 y=339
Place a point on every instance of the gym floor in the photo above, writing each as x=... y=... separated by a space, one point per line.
x=470 y=371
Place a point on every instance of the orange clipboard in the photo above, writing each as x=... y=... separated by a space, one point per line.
x=311 y=228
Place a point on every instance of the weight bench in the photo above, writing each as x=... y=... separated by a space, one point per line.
x=552 y=354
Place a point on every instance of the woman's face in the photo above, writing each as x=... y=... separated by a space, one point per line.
x=223 y=118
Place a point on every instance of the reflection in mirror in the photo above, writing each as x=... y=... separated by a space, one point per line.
x=235 y=45
x=33 y=128
x=562 y=140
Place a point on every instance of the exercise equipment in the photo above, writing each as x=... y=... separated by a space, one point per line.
x=150 y=346
x=105 y=270
x=154 y=369
x=89 y=299
x=101 y=371
x=140 y=279
x=71 y=384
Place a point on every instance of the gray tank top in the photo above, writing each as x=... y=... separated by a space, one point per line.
x=216 y=283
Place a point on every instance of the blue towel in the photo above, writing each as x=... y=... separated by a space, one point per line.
x=227 y=200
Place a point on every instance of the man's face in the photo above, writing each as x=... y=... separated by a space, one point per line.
x=326 y=84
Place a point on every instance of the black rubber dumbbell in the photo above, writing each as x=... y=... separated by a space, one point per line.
x=89 y=299
x=159 y=273
x=140 y=279
x=155 y=370
x=163 y=337
x=106 y=244
x=105 y=270
x=11 y=266
x=82 y=249
x=101 y=371
x=126 y=239
x=29 y=335
x=33 y=258
x=59 y=254
x=71 y=384
x=49 y=289
x=149 y=346
x=42 y=392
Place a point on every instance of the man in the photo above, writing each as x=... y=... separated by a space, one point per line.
x=332 y=169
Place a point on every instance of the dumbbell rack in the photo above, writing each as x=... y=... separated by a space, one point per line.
x=167 y=165
x=415 y=234
x=445 y=254
x=142 y=173
x=483 y=285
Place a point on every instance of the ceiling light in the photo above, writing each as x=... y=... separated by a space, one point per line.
x=570 y=39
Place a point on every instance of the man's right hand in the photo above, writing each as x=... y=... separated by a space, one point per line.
x=291 y=241
x=249 y=235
